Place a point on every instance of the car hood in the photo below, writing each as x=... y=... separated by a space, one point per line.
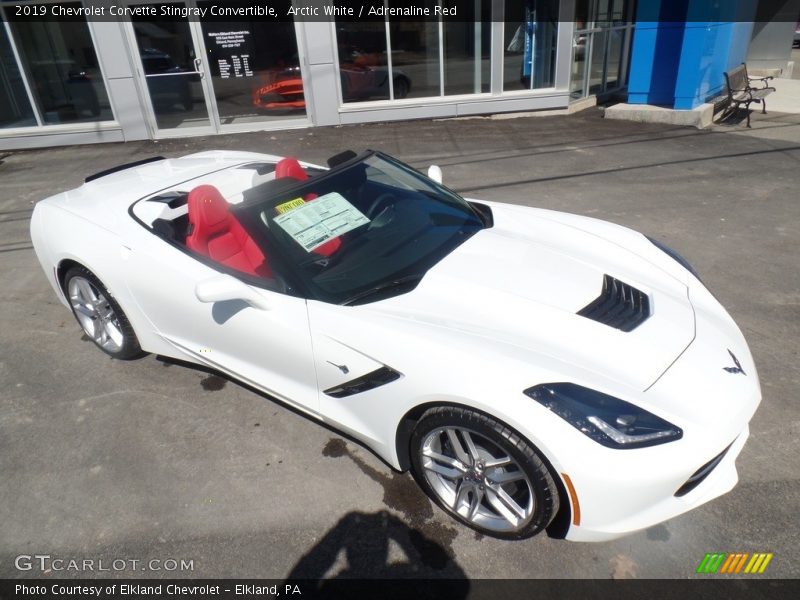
x=522 y=281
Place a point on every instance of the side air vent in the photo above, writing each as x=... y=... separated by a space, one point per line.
x=366 y=382
x=619 y=305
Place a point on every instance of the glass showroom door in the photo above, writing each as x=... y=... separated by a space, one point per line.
x=213 y=74
x=253 y=68
x=173 y=71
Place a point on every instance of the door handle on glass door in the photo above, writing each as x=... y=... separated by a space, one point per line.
x=198 y=67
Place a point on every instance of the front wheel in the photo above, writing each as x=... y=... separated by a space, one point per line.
x=401 y=87
x=482 y=473
x=99 y=314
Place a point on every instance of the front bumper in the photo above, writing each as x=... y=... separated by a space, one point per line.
x=613 y=524
x=622 y=491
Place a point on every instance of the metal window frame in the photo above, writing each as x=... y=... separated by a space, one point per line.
x=389 y=62
x=497 y=54
x=477 y=66
x=441 y=51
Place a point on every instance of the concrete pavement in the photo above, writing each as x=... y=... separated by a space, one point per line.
x=786 y=97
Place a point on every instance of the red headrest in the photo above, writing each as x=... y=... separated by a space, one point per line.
x=208 y=210
x=289 y=167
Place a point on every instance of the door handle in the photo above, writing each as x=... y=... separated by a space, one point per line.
x=198 y=67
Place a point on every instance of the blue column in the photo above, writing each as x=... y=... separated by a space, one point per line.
x=681 y=48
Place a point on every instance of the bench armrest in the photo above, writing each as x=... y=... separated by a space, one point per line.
x=763 y=80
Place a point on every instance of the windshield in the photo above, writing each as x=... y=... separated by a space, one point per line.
x=361 y=232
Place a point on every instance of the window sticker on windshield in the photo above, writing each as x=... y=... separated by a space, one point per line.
x=320 y=220
x=290 y=205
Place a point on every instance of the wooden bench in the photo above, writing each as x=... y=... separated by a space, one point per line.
x=741 y=91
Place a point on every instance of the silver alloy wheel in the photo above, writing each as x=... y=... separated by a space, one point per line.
x=477 y=480
x=95 y=314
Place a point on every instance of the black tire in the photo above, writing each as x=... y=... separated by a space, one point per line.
x=533 y=489
x=401 y=87
x=126 y=347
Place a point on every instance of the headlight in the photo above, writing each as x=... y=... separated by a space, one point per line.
x=675 y=256
x=607 y=420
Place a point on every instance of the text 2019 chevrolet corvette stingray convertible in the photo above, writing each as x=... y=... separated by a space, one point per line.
x=533 y=369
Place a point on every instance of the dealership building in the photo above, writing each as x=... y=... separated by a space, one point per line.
x=197 y=67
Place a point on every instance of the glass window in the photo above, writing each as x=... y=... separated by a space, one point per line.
x=602 y=14
x=423 y=62
x=449 y=56
x=618 y=10
x=579 y=51
x=15 y=108
x=616 y=42
x=598 y=47
x=530 y=38
x=467 y=48
x=255 y=67
x=62 y=68
x=415 y=56
x=169 y=60
x=362 y=61
x=388 y=225
x=597 y=66
x=582 y=14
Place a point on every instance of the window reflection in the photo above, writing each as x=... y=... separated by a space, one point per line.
x=467 y=48
x=581 y=14
x=424 y=62
x=602 y=30
x=597 y=66
x=415 y=56
x=255 y=68
x=15 y=108
x=614 y=58
x=579 y=50
x=530 y=37
x=168 y=58
x=363 y=65
x=62 y=69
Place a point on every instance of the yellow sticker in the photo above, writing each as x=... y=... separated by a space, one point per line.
x=290 y=205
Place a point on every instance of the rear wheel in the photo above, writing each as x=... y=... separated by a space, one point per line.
x=482 y=473
x=99 y=314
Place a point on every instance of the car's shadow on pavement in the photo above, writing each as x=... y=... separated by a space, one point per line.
x=363 y=550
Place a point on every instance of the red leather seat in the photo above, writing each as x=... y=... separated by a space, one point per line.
x=289 y=167
x=217 y=234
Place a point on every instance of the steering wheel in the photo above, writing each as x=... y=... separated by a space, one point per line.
x=381 y=203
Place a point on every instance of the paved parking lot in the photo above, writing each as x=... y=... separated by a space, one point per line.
x=142 y=460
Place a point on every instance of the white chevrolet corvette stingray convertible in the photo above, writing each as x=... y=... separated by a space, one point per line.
x=533 y=369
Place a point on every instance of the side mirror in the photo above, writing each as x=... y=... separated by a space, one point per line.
x=225 y=288
x=435 y=173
